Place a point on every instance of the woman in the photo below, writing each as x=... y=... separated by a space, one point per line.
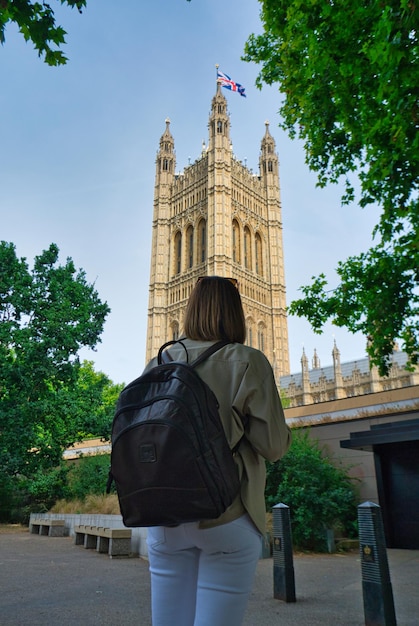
x=202 y=573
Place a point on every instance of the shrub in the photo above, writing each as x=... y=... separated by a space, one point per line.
x=9 y=499
x=21 y=495
x=88 y=476
x=318 y=491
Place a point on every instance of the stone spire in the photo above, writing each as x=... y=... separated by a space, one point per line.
x=339 y=390
x=160 y=268
x=316 y=361
x=166 y=160
x=268 y=161
x=219 y=122
x=269 y=179
x=307 y=397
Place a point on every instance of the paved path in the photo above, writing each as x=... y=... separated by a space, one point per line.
x=50 y=581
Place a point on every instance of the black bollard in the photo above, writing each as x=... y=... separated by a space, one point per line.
x=284 y=582
x=376 y=585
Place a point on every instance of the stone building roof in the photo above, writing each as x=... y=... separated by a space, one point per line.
x=362 y=365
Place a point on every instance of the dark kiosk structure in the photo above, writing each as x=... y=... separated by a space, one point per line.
x=395 y=446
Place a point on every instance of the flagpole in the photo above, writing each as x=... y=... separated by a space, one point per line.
x=216 y=74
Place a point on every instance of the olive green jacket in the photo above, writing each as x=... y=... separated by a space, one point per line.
x=243 y=382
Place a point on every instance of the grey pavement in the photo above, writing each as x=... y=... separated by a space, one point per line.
x=50 y=581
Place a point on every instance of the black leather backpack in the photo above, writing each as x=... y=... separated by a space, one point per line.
x=170 y=460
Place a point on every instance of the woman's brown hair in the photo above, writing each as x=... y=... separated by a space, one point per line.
x=215 y=311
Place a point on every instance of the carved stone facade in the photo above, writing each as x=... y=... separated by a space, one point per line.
x=344 y=380
x=219 y=218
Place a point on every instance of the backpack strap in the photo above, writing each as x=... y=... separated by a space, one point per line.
x=209 y=351
x=165 y=357
x=243 y=418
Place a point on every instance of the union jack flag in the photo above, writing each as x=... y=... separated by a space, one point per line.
x=230 y=84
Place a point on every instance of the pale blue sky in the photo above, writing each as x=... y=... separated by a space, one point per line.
x=78 y=147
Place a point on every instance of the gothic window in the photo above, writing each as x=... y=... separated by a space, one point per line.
x=249 y=331
x=261 y=337
x=270 y=168
x=247 y=249
x=202 y=241
x=178 y=252
x=258 y=255
x=219 y=126
x=236 y=242
x=189 y=243
x=175 y=331
x=165 y=165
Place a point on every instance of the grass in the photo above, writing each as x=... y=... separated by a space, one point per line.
x=106 y=505
x=7 y=529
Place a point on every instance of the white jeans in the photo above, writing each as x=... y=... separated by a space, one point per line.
x=202 y=577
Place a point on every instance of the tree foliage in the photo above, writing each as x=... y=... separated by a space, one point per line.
x=46 y=315
x=95 y=397
x=89 y=476
x=348 y=75
x=36 y=22
x=319 y=492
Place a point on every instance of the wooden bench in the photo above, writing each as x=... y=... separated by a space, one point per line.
x=48 y=527
x=114 y=541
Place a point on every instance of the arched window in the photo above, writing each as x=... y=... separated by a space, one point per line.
x=236 y=242
x=178 y=252
x=202 y=241
x=175 y=331
x=247 y=249
x=249 y=331
x=258 y=255
x=219 y=126
x=189 y=245
x=261 y=337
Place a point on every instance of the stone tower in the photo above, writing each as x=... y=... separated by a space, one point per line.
x=218 y=218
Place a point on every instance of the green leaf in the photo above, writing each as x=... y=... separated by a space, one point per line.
x=36 y=22
x=47 y=399
x=347 y=76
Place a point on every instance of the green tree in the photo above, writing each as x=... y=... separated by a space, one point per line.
x=46 y=315
x=36 y=22
x=95 y=396
x=89 y=475
x=318 y=491
x=347 y=72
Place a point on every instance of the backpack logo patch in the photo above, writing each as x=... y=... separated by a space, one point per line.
x=148 y=453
